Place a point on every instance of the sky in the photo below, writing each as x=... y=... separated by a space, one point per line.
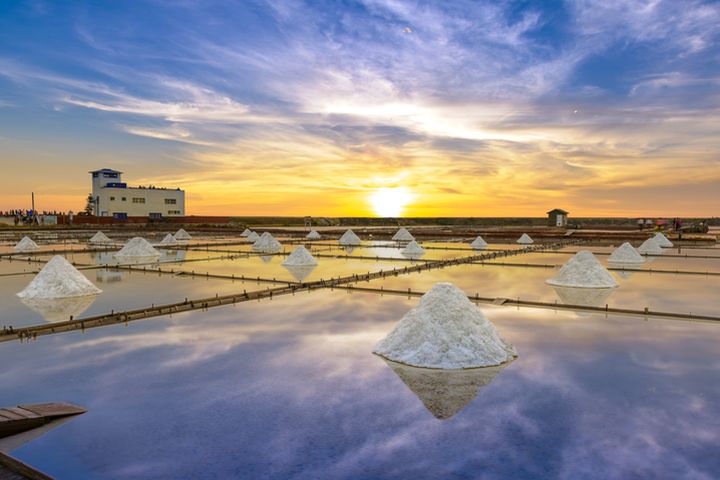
x=368 y=108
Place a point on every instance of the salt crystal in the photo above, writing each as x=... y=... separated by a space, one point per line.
x=412 y=249
x=479 y=243
x=663 y=241
x=349 y=238
x=182 y=235
x=59 y=279
x=650 y=246
x=583 y=270
x=403 y=235
x=300 y=256
x=625 y=253
x=525 y=239
x=138 y=247
x=100 y=239
x=26 y=245
x=313 y=235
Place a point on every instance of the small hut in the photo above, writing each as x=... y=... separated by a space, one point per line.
x=557 y=217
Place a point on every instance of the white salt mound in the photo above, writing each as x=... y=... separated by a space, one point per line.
x=412 y=249
x=26 y=244
x=479 y=243
x=525 y=239
x=100 y=238
x=59 y=279
x=625 y=253
x=349 y=238
x=246 y=232
x=266 y=243
x=138 y=247
x=403 y=235
x=300 y=256
x=253 y=237
x=445 y=331
x=313 y=235
x=663 y=241
x=182 y=235
x=650 y=246
x=169 y=240
x=583 y=270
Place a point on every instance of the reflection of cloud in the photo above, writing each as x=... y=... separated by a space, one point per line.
x=445 y=392
x=59 y=309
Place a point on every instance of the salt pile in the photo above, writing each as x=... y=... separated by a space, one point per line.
x=59 y=279
x=583 y=271
x=138 y=247
x=625 y=253
x=650 y=246
x=253 y=237
x=479 y=243
x=445 y=331
x=445 y=392
x=267 y=244
x=246 y=232
x=663 y=241
x=169 y=240
x=349 y=238
x=300 y=256
x=100 y=238
x=26 y=245
x=413 y=249
x=525 y=239
x=403 y=235
x=182 y=235
x=313 y=235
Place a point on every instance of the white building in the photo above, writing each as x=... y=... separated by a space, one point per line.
x=113 y=198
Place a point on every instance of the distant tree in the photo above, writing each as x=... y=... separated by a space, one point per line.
x=89 y=205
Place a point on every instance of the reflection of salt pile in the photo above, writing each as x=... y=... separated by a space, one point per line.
x=246 y=232
x=349 y=238
x=412 y=249
x=300 y=257
x=169 y=240
x=109 y=275
x=650 y=246
x=26 y=245
x=182 y=235
x=300 y=272
x=625 y=253
x=100 y=239
x=479 y=243
x=445 y=331
x=663 y=241
x=138 y=247
x=444 y=392
x=253 y=237
x=525 y=239
x=59 y=309
x=583 y=271
x=587 y=297
x=349 y=249
x=59 y=279
x=267 y=244
x=403 y=235
x=313 y=235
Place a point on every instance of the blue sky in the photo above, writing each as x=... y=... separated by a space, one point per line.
x=263 y=106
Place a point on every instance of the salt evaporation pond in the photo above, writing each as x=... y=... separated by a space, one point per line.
x=288 y=389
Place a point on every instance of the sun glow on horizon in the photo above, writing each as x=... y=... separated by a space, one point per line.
x=390 y=201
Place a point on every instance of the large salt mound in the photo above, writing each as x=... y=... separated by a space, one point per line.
x=525 y=239
x=138 y=247
x=253 y=237
x=583 y=271
x=313 y=235
x=625 y=253
x=169 y=239
x=445 y=331
x=650 y=246
x=246 y=232
x=349 y=238
x=100 y=238
x=403 y=235
x=26 y=245
x=182 y=235
x=300 y=256
x=267 y=244
x=412 y=249
x=59 y=279
x=663 y=241
x=479 y=243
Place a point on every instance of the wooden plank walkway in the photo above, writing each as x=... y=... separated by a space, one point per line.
x=28 y=416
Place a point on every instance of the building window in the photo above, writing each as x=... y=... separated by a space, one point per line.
x=112 y=199
x=138 y=200
x=123 y=199
x=110 y=175
x=170 y=201
x=173 y=212
x=95 y=175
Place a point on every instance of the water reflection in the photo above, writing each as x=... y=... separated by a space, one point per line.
x=629 y=266
x=586 y=297
x=300 y=272
x=109 y=275
x=444 y=392
x=59 y=309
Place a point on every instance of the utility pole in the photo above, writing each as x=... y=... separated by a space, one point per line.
x=33 y=202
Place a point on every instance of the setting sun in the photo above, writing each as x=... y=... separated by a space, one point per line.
x=390 y=202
